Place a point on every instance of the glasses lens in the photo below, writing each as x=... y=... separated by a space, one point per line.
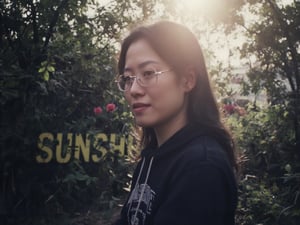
x=124 y=82
x=148 y=78
x=121 y=83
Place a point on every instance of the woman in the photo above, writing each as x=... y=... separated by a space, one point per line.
x=186 y=172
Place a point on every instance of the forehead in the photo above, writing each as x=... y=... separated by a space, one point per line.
x=140 y=54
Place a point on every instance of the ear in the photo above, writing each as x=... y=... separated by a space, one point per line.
x=189 y=79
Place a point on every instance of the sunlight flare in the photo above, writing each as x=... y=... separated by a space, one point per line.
x=202 y=6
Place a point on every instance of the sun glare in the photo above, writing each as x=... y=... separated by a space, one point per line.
x=202 y=6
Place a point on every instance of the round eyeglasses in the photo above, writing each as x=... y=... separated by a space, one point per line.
x=146 y=79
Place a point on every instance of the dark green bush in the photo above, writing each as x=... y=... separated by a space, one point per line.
x=57 y=64
x=270 y=185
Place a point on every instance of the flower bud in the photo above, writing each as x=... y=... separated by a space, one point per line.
x=97 y=110
x=110 y=107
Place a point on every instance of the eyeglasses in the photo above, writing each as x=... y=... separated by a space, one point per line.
x=146 y=79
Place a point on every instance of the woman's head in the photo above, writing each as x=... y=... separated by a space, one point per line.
x=154 y=91
x=179 y=49
x=179 y=54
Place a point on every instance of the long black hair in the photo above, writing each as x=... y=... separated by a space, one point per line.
x=179 y=47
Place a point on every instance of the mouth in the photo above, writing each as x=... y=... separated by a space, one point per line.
x=139 y=107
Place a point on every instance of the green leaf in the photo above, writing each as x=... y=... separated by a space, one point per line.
x=46 y=76
x=50 y=69
x=41 y=70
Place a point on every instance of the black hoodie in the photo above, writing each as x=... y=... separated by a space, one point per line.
x=186 y=181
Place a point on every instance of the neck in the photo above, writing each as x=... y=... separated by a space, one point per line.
x=164 y=131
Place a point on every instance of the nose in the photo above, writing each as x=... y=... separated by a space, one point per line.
x=136 y=89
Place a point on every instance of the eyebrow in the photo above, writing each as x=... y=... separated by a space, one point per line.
x=143 y=64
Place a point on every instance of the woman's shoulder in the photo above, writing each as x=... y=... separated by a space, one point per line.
x=204 y=150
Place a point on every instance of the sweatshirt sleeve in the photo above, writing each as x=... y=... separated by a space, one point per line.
x=197 y=196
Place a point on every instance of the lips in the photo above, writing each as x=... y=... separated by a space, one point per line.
x=139 y=107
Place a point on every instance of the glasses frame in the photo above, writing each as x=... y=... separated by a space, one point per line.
x=136 y=77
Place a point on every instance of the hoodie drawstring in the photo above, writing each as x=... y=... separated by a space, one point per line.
x=143 y=190
x=137 y=181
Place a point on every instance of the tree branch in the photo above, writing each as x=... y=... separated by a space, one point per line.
x=285 y=28
x=53 y=23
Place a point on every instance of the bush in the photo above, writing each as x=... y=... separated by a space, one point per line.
x=269 y=186
x=57 y=65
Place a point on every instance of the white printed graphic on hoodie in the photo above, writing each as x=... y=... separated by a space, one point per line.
x=140 y=200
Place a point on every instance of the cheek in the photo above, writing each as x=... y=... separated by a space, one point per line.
x=127 y=97
x=167 y=97
x=156 y=93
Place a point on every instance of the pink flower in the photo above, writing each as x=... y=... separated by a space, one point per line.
x=110 y=107
x=97 y=110
x=229 y=108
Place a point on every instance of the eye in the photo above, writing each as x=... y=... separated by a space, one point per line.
x=126 y=78
x=127 y=75
x=148 y=73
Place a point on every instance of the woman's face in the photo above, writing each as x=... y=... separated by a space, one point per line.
x=162 y=103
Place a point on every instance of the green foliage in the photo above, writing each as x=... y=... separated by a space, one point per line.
x=258 y=204
x=269 y=137
x=57 y=64
x=270 y=183
x=275 y=46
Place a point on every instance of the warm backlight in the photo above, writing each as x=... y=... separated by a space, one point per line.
x=202 y=6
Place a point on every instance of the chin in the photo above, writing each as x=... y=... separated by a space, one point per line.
x=144 y=124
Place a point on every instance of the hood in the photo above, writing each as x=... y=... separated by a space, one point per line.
x=175 y=142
